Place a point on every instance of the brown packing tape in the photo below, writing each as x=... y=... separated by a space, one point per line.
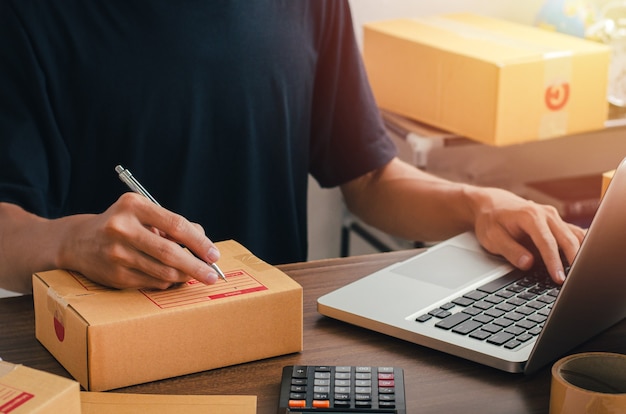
x=589 y=383
x=6 y=368
x=57 y=306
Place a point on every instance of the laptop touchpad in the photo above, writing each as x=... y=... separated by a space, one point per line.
x=449 y=266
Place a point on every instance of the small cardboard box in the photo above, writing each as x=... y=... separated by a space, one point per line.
x=606 y=180
x=108 y=338
x=494 y=81
x=27 y=390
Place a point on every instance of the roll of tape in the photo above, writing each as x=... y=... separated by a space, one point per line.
x=589 y=383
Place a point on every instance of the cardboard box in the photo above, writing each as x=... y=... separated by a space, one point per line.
x=111 y=402
x=574 y=197
x=109 y=338
x=497 y=82
x=26 y=390
x=606 y=180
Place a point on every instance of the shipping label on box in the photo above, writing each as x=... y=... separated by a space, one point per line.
x=27 y=390
x=487 y=79
x=109 y=338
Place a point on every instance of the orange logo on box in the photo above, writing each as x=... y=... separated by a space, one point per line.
x=556 y=96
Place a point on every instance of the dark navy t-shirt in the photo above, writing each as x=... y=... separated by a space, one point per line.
x=220 y=108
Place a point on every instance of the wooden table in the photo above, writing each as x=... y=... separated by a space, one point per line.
x=435 y=382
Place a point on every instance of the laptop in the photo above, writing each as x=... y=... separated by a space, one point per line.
x=457 y=298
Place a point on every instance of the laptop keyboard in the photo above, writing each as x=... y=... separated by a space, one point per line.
x=508 y=312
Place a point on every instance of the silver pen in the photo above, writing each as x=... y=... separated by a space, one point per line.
x=136 y=186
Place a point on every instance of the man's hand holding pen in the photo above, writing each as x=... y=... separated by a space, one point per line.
x=136 y=244
x=132 y=183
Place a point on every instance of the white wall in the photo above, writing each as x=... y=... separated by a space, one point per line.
x=520 y=11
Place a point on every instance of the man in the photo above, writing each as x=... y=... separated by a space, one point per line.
x=222 y=109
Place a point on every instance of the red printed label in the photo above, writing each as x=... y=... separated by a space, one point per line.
x=239 y=283
x=12 y=399
x=86 y=283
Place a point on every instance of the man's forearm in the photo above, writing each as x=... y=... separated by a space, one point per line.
x=26 y=246
x=406 y=202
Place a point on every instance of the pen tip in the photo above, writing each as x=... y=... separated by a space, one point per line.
x=219 y=272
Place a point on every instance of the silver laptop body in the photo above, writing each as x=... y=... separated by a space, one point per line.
x=592 y=299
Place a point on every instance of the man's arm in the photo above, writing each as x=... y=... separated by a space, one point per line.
x=409 y=203
x=133 y=244
x=24 y=247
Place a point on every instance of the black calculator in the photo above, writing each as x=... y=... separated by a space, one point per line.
x=342 y=389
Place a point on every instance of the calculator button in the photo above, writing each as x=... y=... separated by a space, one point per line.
x=321 y=403
x=386 y=383
x=342 y=390
x=299 y=372
x=297 y=403
x=297 y=396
